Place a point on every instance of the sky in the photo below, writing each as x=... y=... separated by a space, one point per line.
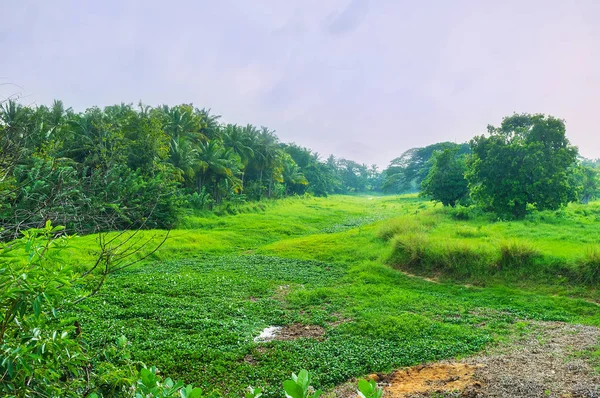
x=362 y=79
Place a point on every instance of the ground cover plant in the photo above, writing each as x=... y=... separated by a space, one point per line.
x=195 y=309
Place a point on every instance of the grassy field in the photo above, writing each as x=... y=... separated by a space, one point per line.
x=341 y=263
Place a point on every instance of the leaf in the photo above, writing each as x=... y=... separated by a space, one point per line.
x=37 y=308
x=292 y=389
x=364 y=387
x=303 y=380
x=196 y=393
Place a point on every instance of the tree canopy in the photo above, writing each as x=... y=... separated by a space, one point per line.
x=124 y=166
x=525 y=161
x=446 y=181
x=406 y=172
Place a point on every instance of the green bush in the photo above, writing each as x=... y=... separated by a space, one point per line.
x=462 y=260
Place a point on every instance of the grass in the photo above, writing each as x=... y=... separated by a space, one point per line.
x=194 y=309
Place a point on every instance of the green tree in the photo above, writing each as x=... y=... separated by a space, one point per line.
x=407 y=172
x=446 y=181
x=525 y=161
x=585 y=183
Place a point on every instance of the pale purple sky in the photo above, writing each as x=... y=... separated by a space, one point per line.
x=361 y=79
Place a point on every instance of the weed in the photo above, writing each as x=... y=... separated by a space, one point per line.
x=369 y=389
x=299 y=386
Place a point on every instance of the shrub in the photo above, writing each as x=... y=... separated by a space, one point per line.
x=421 y=254
x=462 y=213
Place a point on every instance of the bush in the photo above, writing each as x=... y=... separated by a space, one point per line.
x=462 y=260
x=464 y=213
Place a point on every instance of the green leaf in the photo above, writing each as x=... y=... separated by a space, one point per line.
x=303 y=380
x=364 y=387
x=292 y=389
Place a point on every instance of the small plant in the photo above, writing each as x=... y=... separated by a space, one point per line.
x=150 y=384
x=369 y=389
x=299 y=386
x=253 y=392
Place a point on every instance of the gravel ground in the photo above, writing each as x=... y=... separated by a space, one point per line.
x=542 y=363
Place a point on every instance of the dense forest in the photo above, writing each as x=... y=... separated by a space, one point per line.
x=122 y=166
x=126 y=167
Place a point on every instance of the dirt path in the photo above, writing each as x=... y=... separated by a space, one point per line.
x=543 y=363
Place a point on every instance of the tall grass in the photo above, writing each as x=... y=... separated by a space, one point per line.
x=400 y=226
x=589 y=266
x=470 y=252
x=515 y=254
x=420 y=254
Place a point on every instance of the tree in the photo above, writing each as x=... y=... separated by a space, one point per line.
x=446 y=181
x=407 y=172
x=585 y=183
x=525 y=161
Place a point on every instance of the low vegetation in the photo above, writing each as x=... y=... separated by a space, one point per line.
x=194 y=314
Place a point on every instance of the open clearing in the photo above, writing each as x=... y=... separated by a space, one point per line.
x=320 y=270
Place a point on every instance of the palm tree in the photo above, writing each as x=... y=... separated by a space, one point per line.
x=214 y=164
x=209 y=124
x=291 y=173
x=238 y=140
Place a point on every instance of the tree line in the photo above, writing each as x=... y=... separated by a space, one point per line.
x=526 y=163
x=124 y=166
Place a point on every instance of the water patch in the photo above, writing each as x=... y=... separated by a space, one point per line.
x=268 y=334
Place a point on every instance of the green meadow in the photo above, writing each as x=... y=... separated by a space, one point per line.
x=390 y=280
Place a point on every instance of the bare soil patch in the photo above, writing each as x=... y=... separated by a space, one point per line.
x=437 y=377
x=298 y=330
x=290 y=332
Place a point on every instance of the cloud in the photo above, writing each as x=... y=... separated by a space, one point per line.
x=362 y=80
x=349 y=18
